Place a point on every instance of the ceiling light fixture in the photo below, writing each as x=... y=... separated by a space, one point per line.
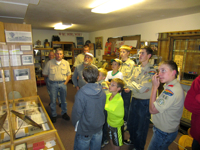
x=113 y=5
x=62 y=26
x=23 y=4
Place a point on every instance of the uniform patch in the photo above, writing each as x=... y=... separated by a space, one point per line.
x=168 y=92
x=171 y=85
x=151 y=72
x=145 y=73
x=161 y=102
x=165 y=96
x=149 y=80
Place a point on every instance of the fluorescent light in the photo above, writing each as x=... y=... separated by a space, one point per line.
x=11 y=17
x=61 y=26
x=114 y=5
x=23 y=4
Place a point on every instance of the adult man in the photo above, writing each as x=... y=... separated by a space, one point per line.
x=126 y=69
x=80 y=58
x=58 y=71
x=78 y=71
x=51 y=56
x=140 y=84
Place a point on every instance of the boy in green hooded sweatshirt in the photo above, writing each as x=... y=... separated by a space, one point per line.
x=115 y=110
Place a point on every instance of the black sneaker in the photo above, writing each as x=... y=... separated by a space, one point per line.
x=53 y=119
x=65 y=116
x=60 y=105
x=128 y=142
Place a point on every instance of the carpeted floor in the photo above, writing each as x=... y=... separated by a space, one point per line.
x=66 y=130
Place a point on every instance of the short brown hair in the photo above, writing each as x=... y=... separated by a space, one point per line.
x=120 y=83
x=103 y=71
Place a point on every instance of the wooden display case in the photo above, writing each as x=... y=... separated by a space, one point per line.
x=21 y=83
x=48 y=132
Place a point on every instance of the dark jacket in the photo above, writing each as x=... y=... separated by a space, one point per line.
x=88 y=109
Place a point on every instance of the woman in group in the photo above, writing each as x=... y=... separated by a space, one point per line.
x=167 y=108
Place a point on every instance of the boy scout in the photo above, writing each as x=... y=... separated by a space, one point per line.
x=58 y=71
x=126 y=68
x=140 y=84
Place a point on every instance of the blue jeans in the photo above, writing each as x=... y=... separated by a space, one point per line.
x=55 y=87
x=127 y=99
x=138 y=122
x=48 y=89
x=161 y=140
x=195 y=145
x=86 y=142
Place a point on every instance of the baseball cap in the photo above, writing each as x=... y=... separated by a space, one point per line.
x=117 y=60
x=89 y=54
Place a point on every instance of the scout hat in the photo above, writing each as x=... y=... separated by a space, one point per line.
x=89 y=54
x=126 y=47
x=117 y=60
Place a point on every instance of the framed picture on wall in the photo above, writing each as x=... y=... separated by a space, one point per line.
x=80 y=42
x=99 y=42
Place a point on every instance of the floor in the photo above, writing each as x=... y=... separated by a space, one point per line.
x=66 y=130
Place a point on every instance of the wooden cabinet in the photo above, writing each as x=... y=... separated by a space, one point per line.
x=67 y=48
x=41 y=57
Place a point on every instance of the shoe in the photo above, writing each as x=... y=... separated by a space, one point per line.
x=60 y=105
x=53 y=119
x=128 y=142
x=104 y=143
x=65 y=116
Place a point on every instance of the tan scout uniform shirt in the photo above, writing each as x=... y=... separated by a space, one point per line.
x=79 y=59
x=170 y=106
x=141 y=81
x=126 y=69
x=57 y=72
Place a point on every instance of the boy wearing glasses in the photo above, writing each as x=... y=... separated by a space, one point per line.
x=115 y=111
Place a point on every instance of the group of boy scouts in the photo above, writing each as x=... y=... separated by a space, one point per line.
x=136 y=93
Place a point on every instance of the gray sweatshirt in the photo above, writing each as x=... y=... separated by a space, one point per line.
x=88 y=109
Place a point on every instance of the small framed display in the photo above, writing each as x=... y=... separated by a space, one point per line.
x=22 y=146
x=21 y=74
x=26 y=47
x=27 y=59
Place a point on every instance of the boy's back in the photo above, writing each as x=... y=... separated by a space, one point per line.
x=88 y=109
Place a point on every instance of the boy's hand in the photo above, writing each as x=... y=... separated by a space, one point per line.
x=127 y=90
x=77 y=88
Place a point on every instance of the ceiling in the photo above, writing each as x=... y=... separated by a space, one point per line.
x=44 y=14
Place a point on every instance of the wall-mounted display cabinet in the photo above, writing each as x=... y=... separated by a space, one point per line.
x=41 y=57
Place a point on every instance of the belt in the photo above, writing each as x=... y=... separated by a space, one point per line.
x=57 y=81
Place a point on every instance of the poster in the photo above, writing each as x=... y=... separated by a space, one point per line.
x=99 y=42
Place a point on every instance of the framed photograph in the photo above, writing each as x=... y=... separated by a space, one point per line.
x=21 y=74
x=80 y=42
x=27 y=59
x=21 y=147
x=18 y=36
x=99 y=42
x=6 y=74
x=26 y=47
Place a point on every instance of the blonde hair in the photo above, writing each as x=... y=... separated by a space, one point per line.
x=103 y=71
x=126 y=47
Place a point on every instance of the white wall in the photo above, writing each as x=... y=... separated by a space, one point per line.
x=149 y=31
x=47 y=34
